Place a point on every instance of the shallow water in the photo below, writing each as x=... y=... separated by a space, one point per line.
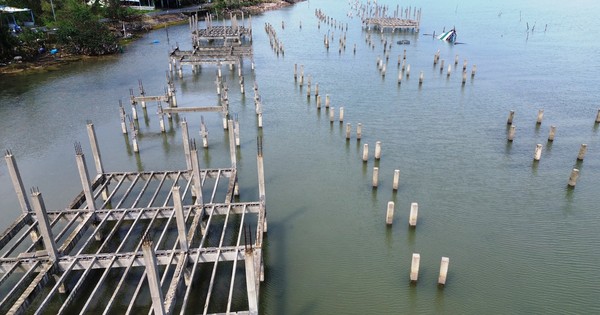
x=518 y=239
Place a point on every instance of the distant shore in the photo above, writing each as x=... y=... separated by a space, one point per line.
x=145 y=24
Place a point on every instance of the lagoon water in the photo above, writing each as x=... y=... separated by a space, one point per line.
x=518 y=239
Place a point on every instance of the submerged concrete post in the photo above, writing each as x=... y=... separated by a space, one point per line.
x=473 y=70
x=260 y=120
x=538 y=152
x=598 y=117
x=378 y=150
x=414 y=267
x=414 y=212
x=17 y=182
x=341 y=115
x=260 y=170
x=582 y=151
x=153 y=278
x=365 y=155
x=331 y=114
x=389 y=217
x=442 y=66
x=181 y=229
x=396 y=180
x=186 y=144
x=85 y=178
x=318 y=101
x=375 y=180
x=348 y=131
x=251 y=282
x=316 y=89
x=95 y=149
x=123 y=118
x=232 y=148
x=540 y=116
x=449 y=71
x=421 y=78
x=358 y=131
x=573 y=178
x=44 y=224
x=197 y=181
x=443 y=270
x=552 y=133
x=511 y=132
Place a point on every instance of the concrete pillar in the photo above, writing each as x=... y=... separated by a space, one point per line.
x=442 y=66
x=232 y=148
x=134 y=142
x=365 y=155
x=375 y=177
x=456 y=60
x=511 y=116
x=414 y=212
x=260 y=120
x=153 y=278
x=378 y=150
x=407 y=71
x=319 y=102
x=358 y=131
x=449 y=71
x=316 y=89
x=421 y=77
x=540 y=116
x=295 y=71
x=341 y=114
x=196 y=180
x=161 y=119
x=85 y=178
x=17 y=182
x=573 y=178
x=473 y=70
x=327 y=101
x=552 y=133
x=180 y=71
x=389 y=217
x=538 y=152
x=414 y=267
x=331 y=114
x=236 y=130
x=443 y=270
x=251 y=282
x=348 y=130
x=308 y=89
x=123 y=119
x=598 y=117
x=396 y=180
x=582 y=151
x=134 y=114
x=399 y=77
x=186 y=143
x=464 y=78
x=44 y=224
x=464 y=65
x=181 y=229
x=95 y=149
x=261 y=171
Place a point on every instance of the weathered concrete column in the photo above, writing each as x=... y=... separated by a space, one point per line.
x=421 y=78
x=251 y=282
x=295 y=71
x=511 y=132
x=260 y=170
x=331 y=114
x=85 y=178
x=538 y=152
x=443 y=270
x=186 y=143
x=414 y=267
x=123 y=117
x=341 y=114
x=449 y=71
x=232 y=147
x=414 y=212
x=473 y=70
x=197 y=181
x=378 y=150
x=464 y=78
x=375 y=180
x=365 y=155
x=407 y=70
x=551 y=133
x=358 y=131
x=161 y=119
x=153 y=278
x=319 y=102
x=327 y=101
x=181 y=229
x=236 y=130
x=442 y=66
x=17 y=182
x=598 y=117
x=396 y=181
x=316 y=89
x=44 y=224
x=582 y=151
x=389 y=217
x=573 y=178
x=95 y=149
x=348 y=131
x=399 y=77
x=260 y=120
x=134 y=114
x=540 y=116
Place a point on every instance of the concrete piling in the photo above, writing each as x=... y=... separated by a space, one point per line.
x=232 y=148
x=358 y=131
x=196 y=180
x=44 y=224
x=582 y=151
x=203 y=132
x=375 y=180
x=17 y=182
x=319 y=102
x=464 y=77
x=180 y=218
x=464 y=66
x=389 y=217
x=551 y=133
x=421 y=77
x=473 y=70
x=598 y=117
x=236 y=130
x=331 y=114
x=443 y=270
x=378 y=150
x=316 y=89
x=414 y=267
x=85 y=178
x=540 y=116
x=260 y=120
x=348 y=130
x=396 y=180
x=123 y=119
x=456 y=60
x=399 y=77
x=186 y=144
x=407 y=70
x=449 y=71
x=511 y=116
x=414 y=212
x=341 y=114
x=153 y=278
x=442 y=66
x=295 y=71
x=327 y=101
x=365 y=154
x=573 y=178
x=538 y=152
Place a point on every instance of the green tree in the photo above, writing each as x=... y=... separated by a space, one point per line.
x=81 y=32
x=7 y=42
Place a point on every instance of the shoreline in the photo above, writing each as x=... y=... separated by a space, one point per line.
x=146 y=24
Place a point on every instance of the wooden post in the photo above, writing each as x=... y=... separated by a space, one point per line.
x=414 y=212
x=582 y=151
x=538 y=152
x=153 y=278
x=511 y=116
x=365 y=155
x=389 y=217
x=375 y=181
x=540 y=116
x=331 y=114
x=396 y=181
x=573 y=178
x=552 y=133
x=443 y=270
x=414 y=267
